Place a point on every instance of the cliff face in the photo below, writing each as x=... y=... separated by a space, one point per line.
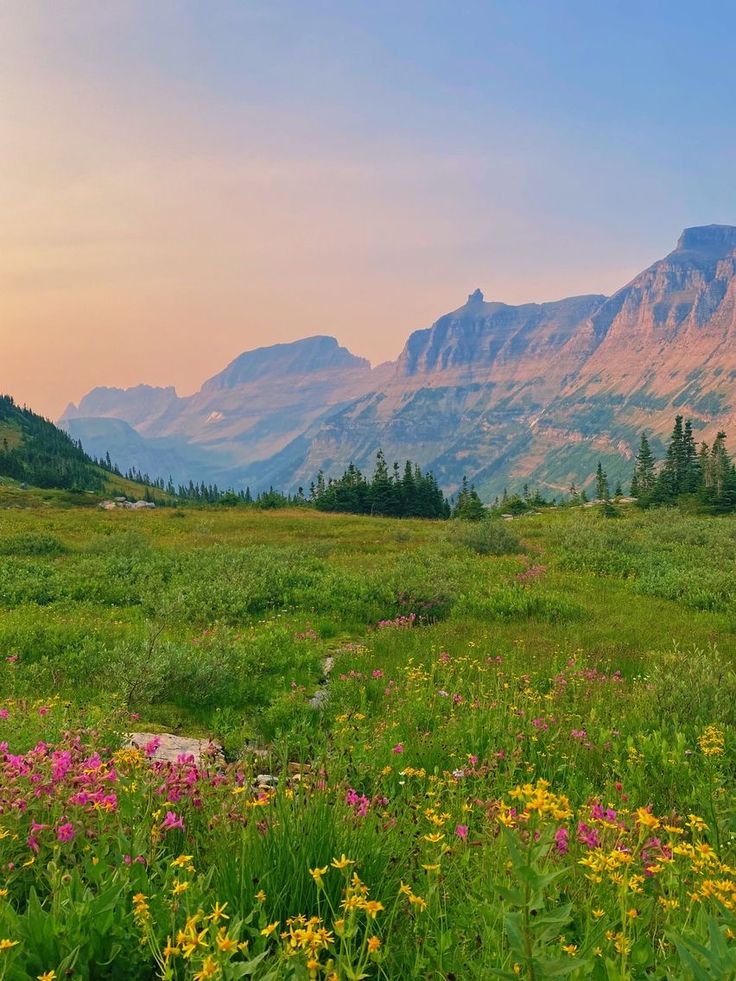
x=502 y=393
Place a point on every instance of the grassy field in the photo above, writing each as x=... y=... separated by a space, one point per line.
x=525 y=766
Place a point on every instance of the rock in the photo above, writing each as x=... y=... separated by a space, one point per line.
x=266 y=780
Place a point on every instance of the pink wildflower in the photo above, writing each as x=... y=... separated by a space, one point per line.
x=461 y=830
x=561 y=840
x=171 y=821
x=65 y=832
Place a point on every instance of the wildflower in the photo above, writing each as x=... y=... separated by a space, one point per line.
x=561 y=841
x=261 y=896
x=374 y=944
x=210 y=969
x=696 y=823
x=65 y=832
x=170 y=950
x=317 y=874
x=192 y=942
x=712 y=741
x=373 y=908
x=179 y=887
x=182 y=862
x=7 y=944
x=267 y=931
x=571 y=949
x=47 y=976
x=171 y=821
x=434 y=838
x=598 y=913
x=225 y=944
x=646 y=819
x=218 y=913
x=342 y=862
x=398 y=748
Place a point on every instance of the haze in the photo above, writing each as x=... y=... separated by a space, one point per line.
x=182 y=181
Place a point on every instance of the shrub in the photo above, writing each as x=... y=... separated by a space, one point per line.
x=488 y=537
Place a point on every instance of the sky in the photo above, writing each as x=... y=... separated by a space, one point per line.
x=181 y=181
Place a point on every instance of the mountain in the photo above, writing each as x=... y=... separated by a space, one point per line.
x=503 y=393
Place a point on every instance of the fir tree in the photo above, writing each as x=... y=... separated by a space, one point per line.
x=642 y=482
x=601 y=483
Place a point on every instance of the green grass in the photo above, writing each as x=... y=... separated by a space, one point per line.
x=567 y=647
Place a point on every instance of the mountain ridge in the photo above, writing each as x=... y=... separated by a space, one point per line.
x=501 y=392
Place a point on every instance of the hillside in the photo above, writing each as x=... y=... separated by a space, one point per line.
x=502 y=393
x=35 y=452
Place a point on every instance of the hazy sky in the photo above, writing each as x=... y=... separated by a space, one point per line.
x=181 y=181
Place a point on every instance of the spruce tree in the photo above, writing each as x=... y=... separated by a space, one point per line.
x=642 y=483
x=601 y=483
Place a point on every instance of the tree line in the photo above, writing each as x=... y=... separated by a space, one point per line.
x=703 y=472
x=410 y=493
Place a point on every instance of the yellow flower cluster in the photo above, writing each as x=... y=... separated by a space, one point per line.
x=535 y=799
x=712 y=742
x=141 y=911
x=415 y=900
x=307 y=934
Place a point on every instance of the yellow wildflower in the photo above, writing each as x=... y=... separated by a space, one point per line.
x=224 y=943
x=342 y=862
x=267 y=931
x=218 y=913
x=183 y=862
x=210 y=969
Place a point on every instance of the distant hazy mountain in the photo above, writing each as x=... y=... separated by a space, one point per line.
x=502 y=393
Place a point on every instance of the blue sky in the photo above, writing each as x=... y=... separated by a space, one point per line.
x=216 y=175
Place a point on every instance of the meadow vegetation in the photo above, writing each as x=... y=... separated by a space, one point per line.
x=525 y=766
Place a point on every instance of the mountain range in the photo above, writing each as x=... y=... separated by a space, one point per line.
x=504 y=394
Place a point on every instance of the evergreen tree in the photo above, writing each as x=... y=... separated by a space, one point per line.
x=469 y=506
x=601 y=483
x=642 y=483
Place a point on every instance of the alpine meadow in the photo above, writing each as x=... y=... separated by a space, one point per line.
x=367 y=490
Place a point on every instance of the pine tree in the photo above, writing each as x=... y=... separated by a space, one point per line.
x=642 y=483
x=601 y=483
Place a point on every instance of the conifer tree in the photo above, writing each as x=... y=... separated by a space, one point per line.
x=601 y=483
x=642 y=482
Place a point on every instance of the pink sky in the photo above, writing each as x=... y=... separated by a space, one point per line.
x=165 y=208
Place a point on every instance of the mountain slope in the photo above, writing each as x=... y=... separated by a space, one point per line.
x=503 y=393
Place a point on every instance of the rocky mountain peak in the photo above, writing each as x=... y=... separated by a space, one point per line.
x=714 y=240
x=311 y=354
x=476 y=297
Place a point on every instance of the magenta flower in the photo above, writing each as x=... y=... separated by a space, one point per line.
x=4 y=713
x=171 y=821
x=65 y=832
x=461 y=830
x=150 y=748
x=398 y=748
x=562 y=840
